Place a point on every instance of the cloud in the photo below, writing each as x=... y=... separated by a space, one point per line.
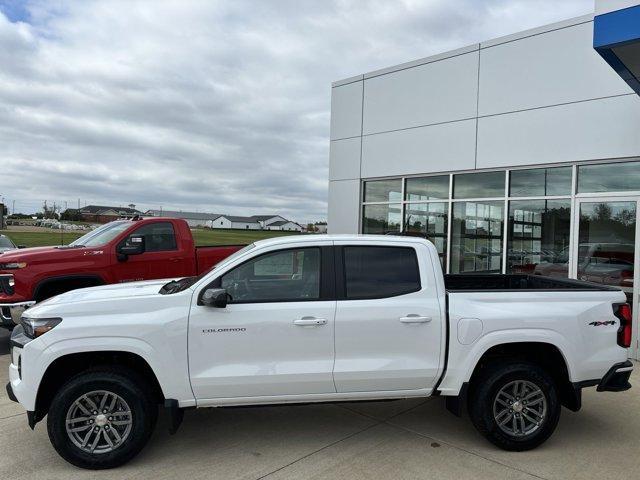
x=211 y=105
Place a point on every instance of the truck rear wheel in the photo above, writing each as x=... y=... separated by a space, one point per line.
x=101 y=419
x=516 y=406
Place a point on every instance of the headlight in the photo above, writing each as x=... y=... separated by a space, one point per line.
x=12 y=266
x=34 y=327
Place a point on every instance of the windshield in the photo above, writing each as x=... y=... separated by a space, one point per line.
x=102 y=235
x=5 y=242
x=176 y=286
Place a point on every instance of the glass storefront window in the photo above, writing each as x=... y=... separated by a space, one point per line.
x=381 y=219
x=430 y=221
x=476 y=237
x=540 y=182
x=479 y=185
x=538 y=237
x=609 y=177
x=606 y=244
x=427 y=188
x=383 y=191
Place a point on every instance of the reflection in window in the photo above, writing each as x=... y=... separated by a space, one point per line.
x=430 y=221
x=287 y=275
x=158 y=237
x=476 y=237
x=427 y=188
x=383 y=191
x=540 y=182
x=479 y=185
x=381 y=219
x=610 y=177
x=538 y=241
x=606 y=244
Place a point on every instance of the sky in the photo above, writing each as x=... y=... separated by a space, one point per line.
x=214 y=106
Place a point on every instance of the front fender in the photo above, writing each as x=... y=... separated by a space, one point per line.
x=171 y=373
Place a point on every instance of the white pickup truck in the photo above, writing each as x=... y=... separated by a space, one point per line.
x=316 y=319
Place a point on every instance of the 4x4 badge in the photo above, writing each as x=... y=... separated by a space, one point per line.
x=601 y=324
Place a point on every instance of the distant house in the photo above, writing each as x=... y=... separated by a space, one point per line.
x=265 y=220
x=224 y=221
x=284 y=225
x=194 y=219
x=104 y=214
x=236 y=222
x=321 y=227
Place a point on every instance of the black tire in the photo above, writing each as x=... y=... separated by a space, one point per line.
x=482 y=401
x=131 y=388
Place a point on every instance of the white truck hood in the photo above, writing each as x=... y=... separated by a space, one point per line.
x=121 y=291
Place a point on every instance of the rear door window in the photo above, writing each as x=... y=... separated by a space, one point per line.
x=379 y=272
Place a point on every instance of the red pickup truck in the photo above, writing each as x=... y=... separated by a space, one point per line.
x=120 y=251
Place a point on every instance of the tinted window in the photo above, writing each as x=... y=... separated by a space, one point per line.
x=427 y=188
x=476 y=237
x=610 y=177
x=285 y=276
x=383 y=191
x=381 y=219
x=158 y=237
x=479 y=185
x=377 y=272
x=538 y=240
x=428 y=220
x=540 y=181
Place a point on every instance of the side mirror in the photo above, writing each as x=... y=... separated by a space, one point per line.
x=22 y=246
x=134 y=245
x=215 y=297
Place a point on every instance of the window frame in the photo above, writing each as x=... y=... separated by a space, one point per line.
x=134 y=232
x=341 y=272
x=326 y=277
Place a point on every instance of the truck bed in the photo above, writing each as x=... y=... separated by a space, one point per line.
x=207 y=257
x=521 y=282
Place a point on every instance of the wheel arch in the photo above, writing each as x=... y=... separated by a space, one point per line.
x=547 y=355
x=69 y=365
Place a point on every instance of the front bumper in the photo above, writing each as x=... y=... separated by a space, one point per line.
x=17 y=389
x=10 y=313
x=617 y=378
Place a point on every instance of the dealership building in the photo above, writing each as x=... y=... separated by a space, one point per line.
x=515 y=155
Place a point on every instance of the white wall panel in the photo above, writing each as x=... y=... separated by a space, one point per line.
x=436 y=92
x=344 y=206
x=344 y=159
x=600 y=129
x=437 y=148
x=346 y=111
x=606 y=6
x=548 y=69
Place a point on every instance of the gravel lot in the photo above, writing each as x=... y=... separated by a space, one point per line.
x=408 y=439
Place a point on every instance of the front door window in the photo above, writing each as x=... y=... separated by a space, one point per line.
x=283 y=276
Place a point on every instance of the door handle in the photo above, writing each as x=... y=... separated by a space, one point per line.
x=310 y=322
x=412 y=318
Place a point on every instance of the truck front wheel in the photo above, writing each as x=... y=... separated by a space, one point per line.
x=515 y=406
x=101 y=419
